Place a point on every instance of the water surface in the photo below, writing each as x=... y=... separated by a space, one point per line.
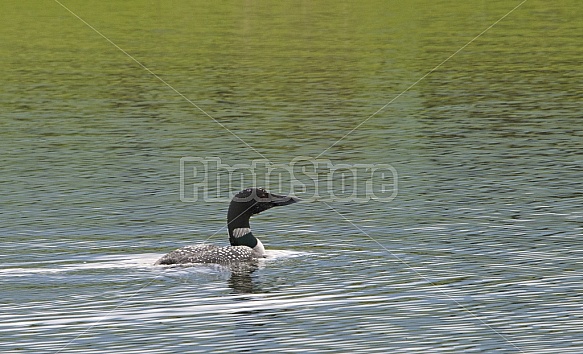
x=480 y=251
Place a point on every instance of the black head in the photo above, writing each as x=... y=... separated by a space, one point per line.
x=253 y=201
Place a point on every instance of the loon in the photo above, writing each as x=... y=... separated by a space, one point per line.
x=244 y=245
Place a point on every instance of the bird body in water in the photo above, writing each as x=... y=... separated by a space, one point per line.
x=244 y=245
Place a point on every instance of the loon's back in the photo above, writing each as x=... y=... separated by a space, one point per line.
x=208 y=254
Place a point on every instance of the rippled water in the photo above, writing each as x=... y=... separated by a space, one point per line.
x=480 y=251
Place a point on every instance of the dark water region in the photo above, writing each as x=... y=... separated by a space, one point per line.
x=480 y=251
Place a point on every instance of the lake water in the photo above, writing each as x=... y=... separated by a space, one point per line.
x=480 y=250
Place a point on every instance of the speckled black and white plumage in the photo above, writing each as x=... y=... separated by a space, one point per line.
x=208 y=254
x=245 y=246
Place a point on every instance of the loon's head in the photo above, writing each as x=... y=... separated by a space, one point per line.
x=247 y=203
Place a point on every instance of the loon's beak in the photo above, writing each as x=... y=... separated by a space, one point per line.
x=281 y=200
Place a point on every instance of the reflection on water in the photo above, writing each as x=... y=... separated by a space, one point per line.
x=479 y=252
x=240 y=278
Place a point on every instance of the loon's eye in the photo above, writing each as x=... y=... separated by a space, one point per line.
x=262 y=193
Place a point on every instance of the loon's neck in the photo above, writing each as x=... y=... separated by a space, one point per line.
x=239 y=230
x=244 y=237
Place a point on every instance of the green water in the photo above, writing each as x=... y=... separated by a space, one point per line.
x=479 y=251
